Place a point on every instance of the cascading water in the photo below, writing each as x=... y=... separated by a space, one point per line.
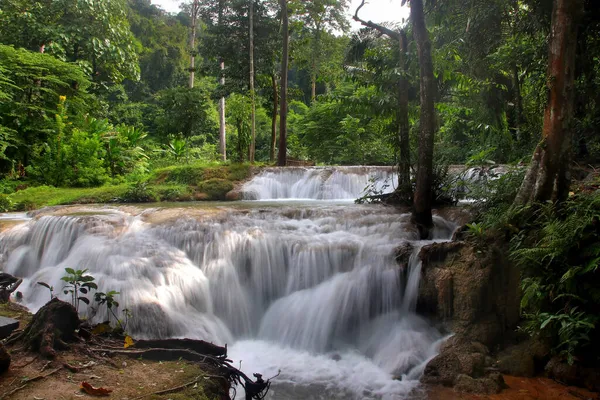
x=320 y=183
x=313 y=290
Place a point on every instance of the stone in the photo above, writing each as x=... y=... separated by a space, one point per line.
x=523 y=358
x=7 y=326
x=491 y=384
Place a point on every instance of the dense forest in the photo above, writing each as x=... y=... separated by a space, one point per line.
x=106 y=97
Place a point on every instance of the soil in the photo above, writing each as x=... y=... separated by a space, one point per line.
x=519 y=389
x=127 y=378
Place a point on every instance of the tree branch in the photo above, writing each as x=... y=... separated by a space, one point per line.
x=380 y=28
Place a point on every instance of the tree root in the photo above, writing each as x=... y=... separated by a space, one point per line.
x=27 y=381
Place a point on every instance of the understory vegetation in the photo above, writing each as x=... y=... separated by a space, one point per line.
x=120 y=101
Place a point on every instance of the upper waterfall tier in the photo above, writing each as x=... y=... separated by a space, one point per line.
x=319 y=183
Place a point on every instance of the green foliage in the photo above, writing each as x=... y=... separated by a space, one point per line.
x=6 y=203
x=215 y=188
x=139 y=192
x=108 y=299
x=78 y=285
x=560 y=258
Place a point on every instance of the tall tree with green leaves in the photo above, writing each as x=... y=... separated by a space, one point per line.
x=548 y=175
x=285 y=34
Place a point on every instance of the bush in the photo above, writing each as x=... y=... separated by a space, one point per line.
x=559 y=254
x=215 y=189
x=139 y=192
x=6 y=203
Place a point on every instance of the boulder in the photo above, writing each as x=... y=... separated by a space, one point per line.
x=491 y=384
x=7 y=326
x=573 y=374
x=473 y=290
x=523 y=359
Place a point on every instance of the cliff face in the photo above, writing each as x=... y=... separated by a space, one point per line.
x=472 y=291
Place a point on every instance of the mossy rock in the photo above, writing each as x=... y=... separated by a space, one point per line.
x=215 y=173
x=215 y=189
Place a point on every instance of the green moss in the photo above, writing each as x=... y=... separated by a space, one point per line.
x=11 y=310
x=190 y=174
x=215 y=189
x=40 y=196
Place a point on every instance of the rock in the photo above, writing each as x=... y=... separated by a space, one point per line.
x=576 y=374
x=7 y=326
x=403 y=253
x=473 y=290
x=523 y=359
x=4 y=359
x=234 y=195
x=456 y=358
x=491 y=384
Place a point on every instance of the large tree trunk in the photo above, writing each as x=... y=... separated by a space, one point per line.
x=282 y=156
x=423 y=193
x=548 y=174
x=404 y=186
x=253 y=116
x=274 y=117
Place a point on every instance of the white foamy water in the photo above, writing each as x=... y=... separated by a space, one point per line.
x=313 y=291
x=320 y=183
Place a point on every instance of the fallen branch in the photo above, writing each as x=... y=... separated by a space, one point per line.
x=27 y=381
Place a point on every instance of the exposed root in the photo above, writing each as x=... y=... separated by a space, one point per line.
x=27 y=381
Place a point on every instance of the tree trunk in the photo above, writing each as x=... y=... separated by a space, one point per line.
x=423 y=194
x=548 y=175
x=252 y=97
x=274 y=117
x=194 y=16
x=222 y=132
x=240 y=147
x=282 y=156
x=404 y=186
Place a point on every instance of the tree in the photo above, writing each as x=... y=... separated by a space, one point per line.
x=422 y=200
x=319 y=17
x=404 y=189
x=252 y=94
x=93 y=34
x=194 y=11
x=282 y=155
x=548 y=174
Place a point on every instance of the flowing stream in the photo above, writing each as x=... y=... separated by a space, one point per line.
x=309 y=288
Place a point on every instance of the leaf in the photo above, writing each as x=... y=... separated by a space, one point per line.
x=101 y=328
x=90 y=285
x=83 y=290
x=89 y=389
x=128 y=342
x=84 y=299
x=546 y=322
x=70 y=271
x=44 y=284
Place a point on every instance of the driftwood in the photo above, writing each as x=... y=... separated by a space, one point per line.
x=198 y=346
x=8 y=284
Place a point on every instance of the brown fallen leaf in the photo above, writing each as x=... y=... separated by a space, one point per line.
x=89 y=389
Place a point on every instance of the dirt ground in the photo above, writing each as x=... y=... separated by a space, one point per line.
x=127 y=378
x=520 y=389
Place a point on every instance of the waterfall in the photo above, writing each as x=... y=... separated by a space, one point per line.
x=313 y=290
x=320 y=183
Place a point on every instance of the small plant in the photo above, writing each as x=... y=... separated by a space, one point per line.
x=78 y=284
x=475 y=229
x=50 y=288
x=6 y=203
x=139 y=192
x=108 y=299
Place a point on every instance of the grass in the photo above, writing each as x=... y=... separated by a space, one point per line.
x=199 y=181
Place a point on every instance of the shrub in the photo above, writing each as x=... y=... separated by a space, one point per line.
x=139 y=192
x=6 y=203
x=215 y=189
